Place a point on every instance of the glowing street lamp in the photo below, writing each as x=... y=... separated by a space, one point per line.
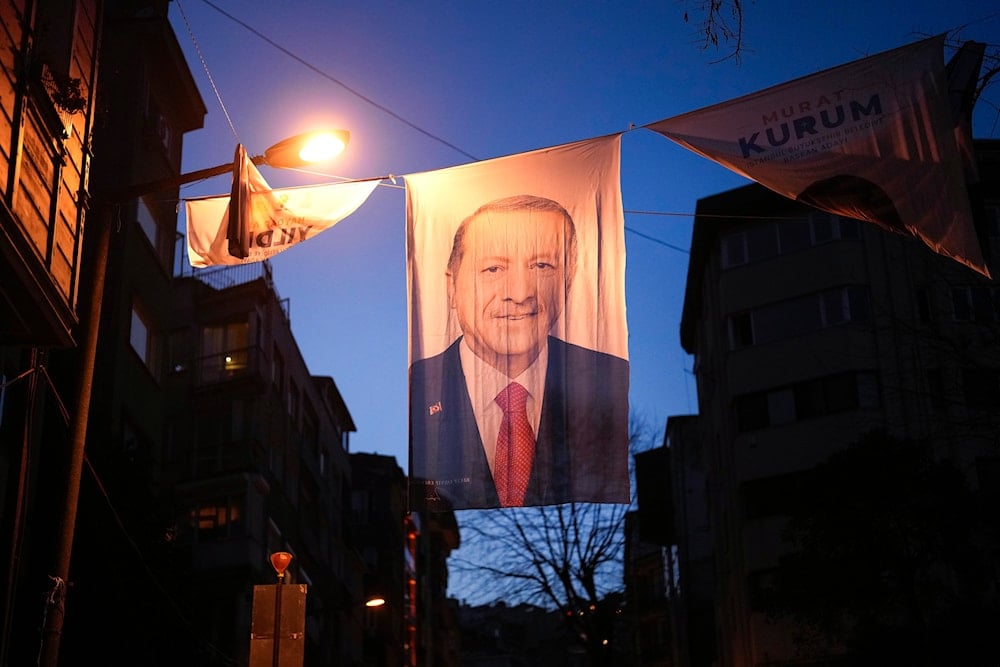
x=306 y=148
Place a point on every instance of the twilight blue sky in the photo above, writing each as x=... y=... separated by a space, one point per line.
x=428 y=85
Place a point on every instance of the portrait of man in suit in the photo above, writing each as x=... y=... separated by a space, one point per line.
x=509 y=414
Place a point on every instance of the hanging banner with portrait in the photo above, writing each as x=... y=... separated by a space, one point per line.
x=873 y=140
x=518 y=343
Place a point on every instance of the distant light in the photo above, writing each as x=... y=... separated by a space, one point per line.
x=375 y=602
x=229 y=359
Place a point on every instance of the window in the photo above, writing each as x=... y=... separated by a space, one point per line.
x=751 y=412
x=781 y=407
x=762 y=243
x=798 y=316
x=794 y=235
x=359 y=507
x=976 y=304
x=772 y=496
x=981 y=388
x=218 y=518
x=310 y=427
x=157 y=236
x=993 y=222
x=806 y=400
x=781 y=237
x=142 y=338
x=224 y=350
x=158 y=127
x=147 y=223
x=734 y=250
x=278 y=371
x=293 y=400
x=924 y=305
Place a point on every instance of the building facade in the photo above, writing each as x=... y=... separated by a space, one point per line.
x=256 y=461
x=48 y=80
x=809 y=333
x=85 y=79
x=378 y=512
x=205 y=444
x=431 y=618
x=161 y=434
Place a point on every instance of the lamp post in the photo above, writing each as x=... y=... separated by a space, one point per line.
x=290 y=153
x=279 y=561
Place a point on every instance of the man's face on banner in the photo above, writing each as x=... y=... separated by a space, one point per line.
x=510 y=286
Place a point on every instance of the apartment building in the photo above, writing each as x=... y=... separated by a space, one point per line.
x=810 y=332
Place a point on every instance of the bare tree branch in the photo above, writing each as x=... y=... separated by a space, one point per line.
x=722 y=25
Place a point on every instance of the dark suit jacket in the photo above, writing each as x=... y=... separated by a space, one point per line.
x=581 y=448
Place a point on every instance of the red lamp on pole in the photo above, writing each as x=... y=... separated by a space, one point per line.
x=280 y=561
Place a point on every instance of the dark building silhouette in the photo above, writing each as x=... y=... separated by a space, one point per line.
x=256 y=462
x=809 y=333
x=431 y=618
x=209 y=443
x=405 y=559
x=670 y=578
x=82 y=84
x=647 y=577
x=378 y=511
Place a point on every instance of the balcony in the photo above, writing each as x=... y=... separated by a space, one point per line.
x=247 y=363
x=221 y=278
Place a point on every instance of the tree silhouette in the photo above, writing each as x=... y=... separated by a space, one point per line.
x=720 y=23
x=563 y=557
x=568 y=558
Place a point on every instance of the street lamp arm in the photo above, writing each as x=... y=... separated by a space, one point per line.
x=293 y=152
x=163 y=184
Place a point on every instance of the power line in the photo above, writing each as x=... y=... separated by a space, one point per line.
x=340 y=83
x=211 y=79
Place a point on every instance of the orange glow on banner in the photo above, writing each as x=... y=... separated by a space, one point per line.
x=518 y=339
x=256 y=222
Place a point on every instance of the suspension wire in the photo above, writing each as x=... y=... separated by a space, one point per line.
x=211 y=79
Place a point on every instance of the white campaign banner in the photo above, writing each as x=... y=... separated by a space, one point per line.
x=873 y=139
x=516 y=276
x=264 y=222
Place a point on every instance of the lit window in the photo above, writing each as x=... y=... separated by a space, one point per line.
x=224 y=350
x=219 y=517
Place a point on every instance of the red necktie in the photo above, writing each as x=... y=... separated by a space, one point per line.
x=515 y=446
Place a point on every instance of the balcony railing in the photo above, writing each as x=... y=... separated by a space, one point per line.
x=224 y=277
